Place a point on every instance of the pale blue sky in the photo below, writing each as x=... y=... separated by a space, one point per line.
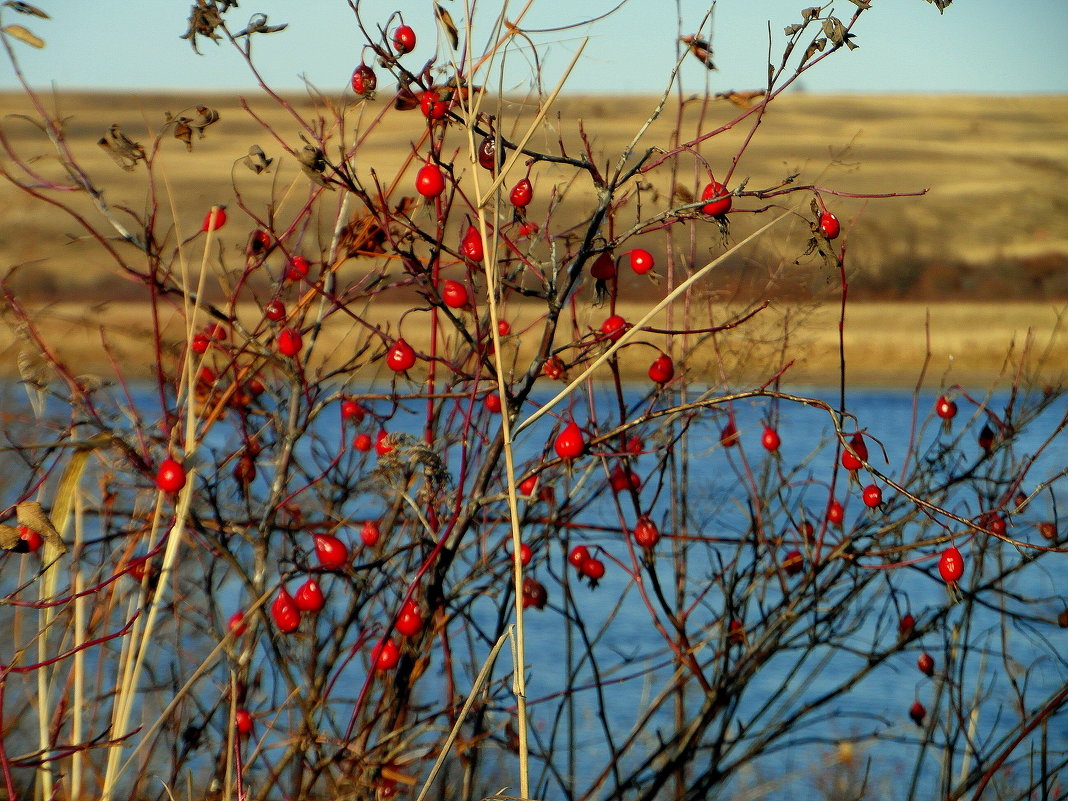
x=981 y=46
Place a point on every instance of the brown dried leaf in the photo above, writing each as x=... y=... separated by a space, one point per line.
x=257 y=160
x=865 y=4
x=205 y=117
x=24 y=36
x=26 y=8
x=792 y=29
x=31 y=515
x=447 y=23
x=258 y=24
x=809 y=14
x=183 y=133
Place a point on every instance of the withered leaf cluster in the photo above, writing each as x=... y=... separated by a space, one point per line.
x=26 y=8
x=257 y=160
x=313 y=163
x=121 y=148
x=204 y=17
x=184 y=125
x=258 y=24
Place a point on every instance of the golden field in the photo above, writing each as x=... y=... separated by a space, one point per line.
x=983 y=253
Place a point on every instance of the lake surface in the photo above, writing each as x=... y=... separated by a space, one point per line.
x=633 y=664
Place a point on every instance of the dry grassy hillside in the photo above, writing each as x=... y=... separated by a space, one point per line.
x=993 y=225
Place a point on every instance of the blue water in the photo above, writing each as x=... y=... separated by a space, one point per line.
x=1020 y=660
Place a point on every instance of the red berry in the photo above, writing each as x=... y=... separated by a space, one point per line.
x=945 y=408
x=614 y=327
x=553 y=368
x=385 y=655
x=951 y=565
x=31 y=539
x=578 y=556
x=454 y=294
x=362 y=442
x=383 y=443
x=855 y=454
x=736 y=632
x=243 y=722
x=835 y=512
x=290 y=342
x=237 y=624
x=400 y=357
x=716 y=208
x=171 y=475
x=487 y=153
x=623 y=478
x=635 y=446
x=370 y=533
x=646 y=534
x=429 y=181
x=432 y=106
x=994 y=522
x=351 y=410
x=364 y=80
x=873 y=496
x=409 y=622
x=569 y=442
x=404 y=39
x=258 y=242
x=662 y=370
x=504 y=328
x=284 y=612
x=986 y=438
x=603 y=267
x=528 y=229
x=793 y=563
x=199 y=343
x=906 y=625
x=1048 y=529
x=274 y=310
x=214 y=219
x=526 y=553
x=917 y=712
x=770 y=439
x=471 y=245
x=592 y=568
x=925 y=662
x=309 y=597
x=806 y=530
x=1062 y=619
x=829 y=226
x=641 y=261
x=298 y=269
x=534 y=593
x=332 y=552
x=728 y=436
x=493 y=403
x=522 y=193
x=245 y=470
x=528 y=485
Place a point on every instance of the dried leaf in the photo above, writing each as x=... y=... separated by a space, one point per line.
x=792 y=29
x=205 y=117
x=865 y=4
x=745 y=99
x=32 y=516
x=26 y=8
x=448 y=24
x=23 y=35
x=809 y=14
x=313 y=163
x=258 y=24
x=121 y=148
x=834 y=29
x=257 y=160
x=816 y=47
x=183 y=133
x=204 y=18
x=701 y=50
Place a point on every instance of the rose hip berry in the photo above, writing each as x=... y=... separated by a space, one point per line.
x=770 y=439
x=829 y=226
x=925 y=662
x=641 y=261
x=214 y=219
x=290 y=342
x=332 y=552
x=569 y=443
x=409 y=622
x=917 y=712
x=577 y=556
x=243 y=722
x=945 y=408
x=284 y=612
x=274 y=310
x=31 y=540
x=662 y=370
x=309 y=597
x=646 y=534
x=454 y=294
x=857 y=453
x=716 y=208
x=471 y=245
x=400 y=357
x=522 y=193
x=432 y=106
x=370 y=533
x=614 y=327
x=906 y=625
x=534 y=594
x=951 y=565
x=171 y=475
x=385 y=655
x=429 y=181
x=835 y=512
x=728 y=435
x=364 y=80
x=404 y=39
x=872 y=496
